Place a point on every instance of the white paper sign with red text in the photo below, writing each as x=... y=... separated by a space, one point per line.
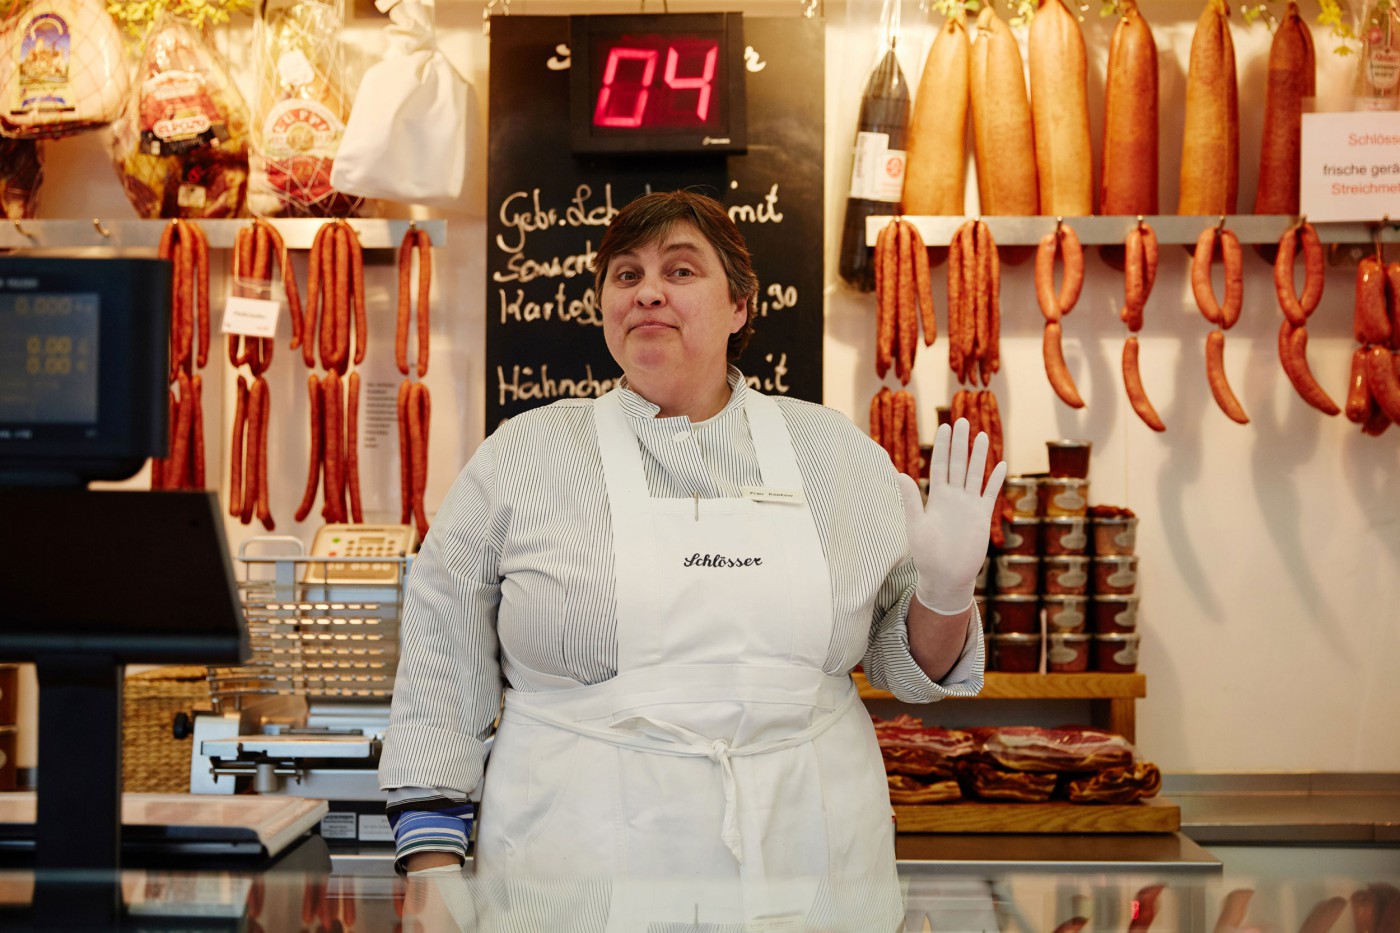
x=1350 y=166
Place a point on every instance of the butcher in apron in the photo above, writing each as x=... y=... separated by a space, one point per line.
x=725 y=776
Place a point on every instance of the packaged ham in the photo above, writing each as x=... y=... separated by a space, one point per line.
x=1029 y=748
x=21 y=170
x=1115 y=785
x=62 y=69
x=181 y=144
x=988 y=782
x=911 y=748
x=299 y=113
x=906 y=790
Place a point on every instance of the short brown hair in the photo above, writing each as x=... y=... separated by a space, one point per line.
x=650 y=218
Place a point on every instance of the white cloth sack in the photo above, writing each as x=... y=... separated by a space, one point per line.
x=406 y=139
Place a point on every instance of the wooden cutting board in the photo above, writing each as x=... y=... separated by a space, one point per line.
x=1153 y=815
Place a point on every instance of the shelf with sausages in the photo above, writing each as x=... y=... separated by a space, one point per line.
x=1111 y=696
x=1176 y=229
x=297 y=233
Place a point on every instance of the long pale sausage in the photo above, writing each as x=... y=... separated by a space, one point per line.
x=937 y=159
x=1002 y=127
x=1060 y=112
x=1292 y=80
x=1210 y=148
x=1129 y=184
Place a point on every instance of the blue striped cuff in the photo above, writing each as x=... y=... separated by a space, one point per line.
x=446 y=830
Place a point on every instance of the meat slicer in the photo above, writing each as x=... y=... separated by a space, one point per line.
x=306 y=715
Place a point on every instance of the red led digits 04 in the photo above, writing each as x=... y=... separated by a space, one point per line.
x=629 y=79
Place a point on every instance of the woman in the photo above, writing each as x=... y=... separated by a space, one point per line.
x=678 y=579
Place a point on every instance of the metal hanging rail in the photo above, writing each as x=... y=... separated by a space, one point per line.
x=297 y=233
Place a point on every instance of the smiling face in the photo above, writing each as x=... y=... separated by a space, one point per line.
x=668 y=313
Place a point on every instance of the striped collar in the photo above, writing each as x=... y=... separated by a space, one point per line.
x=636 y=407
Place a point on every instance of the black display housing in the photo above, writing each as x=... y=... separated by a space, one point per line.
x=592 y=36
x=129 y=424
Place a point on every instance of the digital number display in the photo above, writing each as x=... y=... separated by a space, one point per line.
x=666 y=83
x=48 y=358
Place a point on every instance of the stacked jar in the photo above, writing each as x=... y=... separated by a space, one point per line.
x=1114 y=612
x=9 y=715
x=1064 y=507
x=1014 y=578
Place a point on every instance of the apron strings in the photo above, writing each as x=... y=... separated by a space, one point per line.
x=691 y=744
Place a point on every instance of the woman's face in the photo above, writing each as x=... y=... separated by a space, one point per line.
x=666 y=307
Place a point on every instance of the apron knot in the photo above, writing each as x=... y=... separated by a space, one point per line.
x=719 y=751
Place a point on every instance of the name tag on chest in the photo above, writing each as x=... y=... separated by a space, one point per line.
x=773 y=494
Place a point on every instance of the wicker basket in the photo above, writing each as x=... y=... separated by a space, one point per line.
x=153 y=760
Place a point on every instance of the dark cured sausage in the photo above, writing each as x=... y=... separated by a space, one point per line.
x=1292 y=352
x=1132 y=381
x=314 y=458
x=352 y=445
x=1219 y=385
x=1060 y=379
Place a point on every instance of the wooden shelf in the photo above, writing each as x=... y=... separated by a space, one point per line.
x=999 y=686
x=1111 y=696
x=1153 y=815
x=297 y=232
x=1180 y=229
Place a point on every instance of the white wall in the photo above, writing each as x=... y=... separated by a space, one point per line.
x=1269 y=551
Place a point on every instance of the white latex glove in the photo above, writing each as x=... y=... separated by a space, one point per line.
x=948 y=536
x=440 y=900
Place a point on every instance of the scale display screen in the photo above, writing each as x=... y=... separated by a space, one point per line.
x=48 y=359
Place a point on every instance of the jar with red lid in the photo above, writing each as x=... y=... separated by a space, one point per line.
x=1069 y=458
x=1116 y=574
x=1022 y=495
x=1114 y=613
x=1067 y=652
x=1017 y=574
x=1116 y=653
x=1114 y=534
x=1012 y=613
x=1066 y=576
x=1065 y=613
x=1020 y=535
x=1061 y=495
x=1016 y=654
x=1064 y=536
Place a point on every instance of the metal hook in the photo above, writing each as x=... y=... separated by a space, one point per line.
x=486 y=14
x=1141 y=221
x=19 y=228
x=809 y=8
x=1221 y=225
x=97 y=225
x=1376 y=238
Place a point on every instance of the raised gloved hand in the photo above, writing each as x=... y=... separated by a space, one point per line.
x=440 y=899
x=948 y=536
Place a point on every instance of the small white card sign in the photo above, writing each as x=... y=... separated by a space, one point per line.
x=251 y=317
x=1350 y=166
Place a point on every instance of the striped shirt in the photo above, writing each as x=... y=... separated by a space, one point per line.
x=515 y=583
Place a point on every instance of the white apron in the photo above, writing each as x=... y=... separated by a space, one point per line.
x=721 y=776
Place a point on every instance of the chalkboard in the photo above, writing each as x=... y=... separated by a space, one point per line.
x=547 y=210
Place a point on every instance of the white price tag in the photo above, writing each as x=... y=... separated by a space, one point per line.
x=1350 y=166
x=251 y=317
